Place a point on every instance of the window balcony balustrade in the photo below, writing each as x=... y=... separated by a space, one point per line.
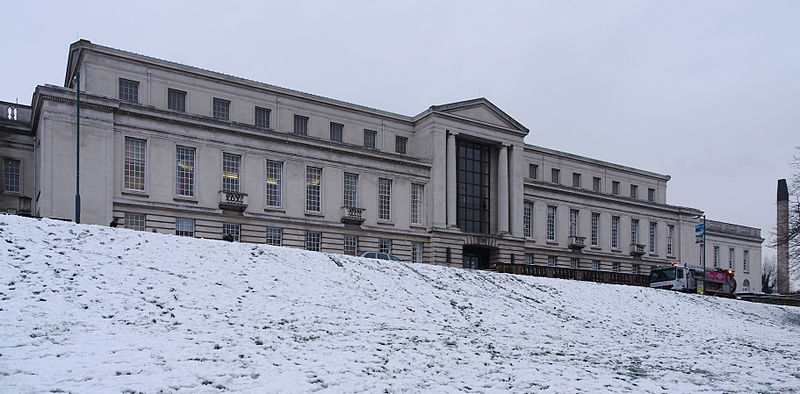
x=577 y=242
x=232 y=201
x=637 y=249
x=352 y=215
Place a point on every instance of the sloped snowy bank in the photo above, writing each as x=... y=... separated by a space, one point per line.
x=89 y=308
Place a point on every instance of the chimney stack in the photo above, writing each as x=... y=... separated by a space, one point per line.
x=782 y=280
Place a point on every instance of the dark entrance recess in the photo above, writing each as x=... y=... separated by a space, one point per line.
x=476 y=257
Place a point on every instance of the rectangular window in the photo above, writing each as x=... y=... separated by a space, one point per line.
x=670 y=240
x=350 y=190
x=634 y=191
x=595 y=265
x=384 y=199
x=184 y=227
x=716 y=256
x=231 y=229
x=262 y=116
x=555 y=176
x=529 y=258
x=551 y=261
x=385 y=245
x=576 y=180
x=11 y=175
x=615 y=232
x=596 y=184
x=417 y=203
x=527 y=220
x=135 y=151
x=746 y=261
x=634 y=231
x=274 y=169
x=313 y=188
x=574 y=263
x=184 y=171
x=635 y=269
x=651 y=195
x=472 y=181
x=533 y=171
x=313 y=240
x=176 y=100
x=615 y=188
x=653 y=236
x=595 y=228
x=731 y=257
x=615 y=267
x=573 y=222
x=222 y=109
x=369 y=138
x=400 y=145
x=337 y=132
x=230 y=172
x=416 y=252
x=134 y=221
x=551 y=223
x=128 y=90
x=351 y=245
x=274 y=236
x=301 y=125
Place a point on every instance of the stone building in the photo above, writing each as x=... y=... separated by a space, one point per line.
x=193 y=152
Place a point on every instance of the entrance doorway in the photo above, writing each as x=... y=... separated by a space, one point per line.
x=476 y=257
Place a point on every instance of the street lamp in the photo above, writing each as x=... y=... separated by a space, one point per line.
x=700 y=237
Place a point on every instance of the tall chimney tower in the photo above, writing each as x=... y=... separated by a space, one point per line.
x=782 y=280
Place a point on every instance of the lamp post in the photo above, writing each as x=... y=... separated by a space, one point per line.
x=701 y=289
x=77 y=147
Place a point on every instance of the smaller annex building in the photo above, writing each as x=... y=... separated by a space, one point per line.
x=177 y=149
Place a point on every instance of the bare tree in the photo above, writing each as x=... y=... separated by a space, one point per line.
x=769 y=270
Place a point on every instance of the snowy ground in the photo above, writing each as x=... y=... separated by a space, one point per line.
x=96 y=309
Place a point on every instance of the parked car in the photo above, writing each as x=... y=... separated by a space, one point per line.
x=380 y=256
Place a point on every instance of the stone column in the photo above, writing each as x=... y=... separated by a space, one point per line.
x=502 y=191
x=782 y=226
x=452 y=196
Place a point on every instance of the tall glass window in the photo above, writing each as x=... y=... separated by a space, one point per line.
x=653 y=236
x=551 y=223
x=230 y=172
x=384 y=199
x=184 y=172
x=731 y=257
x=274 y=169
x=416 y=252
x=615 y=232
x=231 y=229
x=350 y=190
x=385 y=245
x=573 y=222
x=313 y=188
x=417 y=203
x=313 y=240
x=337 y=131
x=11 y=175
x=135 y=151
x=351 y=245
x=595 y=228
x=527 y=219
x=716 y=256
x=473 y=187
x=634 y=231
x=670 y=238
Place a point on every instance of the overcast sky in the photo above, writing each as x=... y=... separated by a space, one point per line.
x=705 y=91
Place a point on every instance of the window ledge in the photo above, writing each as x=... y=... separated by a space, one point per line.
x=552 y=242
x=417 y=226
x=616 y=250
x=140 y=193
x=315 y=214
x=275 y=209
x=530 y=239
x=385 y=223
x=595 y=247
x=185 y=199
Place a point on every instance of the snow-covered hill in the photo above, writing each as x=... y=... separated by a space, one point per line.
x=88 y=308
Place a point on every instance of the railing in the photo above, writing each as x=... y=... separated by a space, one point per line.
x=637 y=249
x=233 y=201
x=576 y=274
x=577 y=242
x=351 y=215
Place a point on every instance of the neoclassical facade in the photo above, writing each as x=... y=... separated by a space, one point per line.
x=176 y=149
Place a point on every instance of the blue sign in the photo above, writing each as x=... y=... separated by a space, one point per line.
x=699 y=233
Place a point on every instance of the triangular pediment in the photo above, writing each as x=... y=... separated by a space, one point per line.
x=480 y=110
